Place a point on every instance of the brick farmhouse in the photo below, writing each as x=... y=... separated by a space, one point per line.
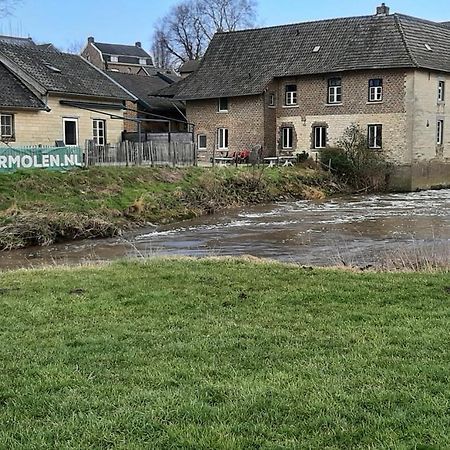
x=297 y=87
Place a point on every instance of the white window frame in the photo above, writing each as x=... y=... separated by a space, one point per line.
x=287 y=138
x=199 y=147
x=5 y=126
x=272 y=99
x=99 y=133
x=374 y=134
x=319 y=136
x=376 y=92
x=290 y=97
x=334 y=91
x=440 y=132
x=114 y=59
x=441 y=91
x=222 y=138
x=219 y=106
x=143 y=61
x=70 y=119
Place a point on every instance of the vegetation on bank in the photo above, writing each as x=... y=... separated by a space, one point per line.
x=223 y=354
x=42 y=207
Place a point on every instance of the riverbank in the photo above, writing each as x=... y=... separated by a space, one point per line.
x=223 y=354
x=42 y=207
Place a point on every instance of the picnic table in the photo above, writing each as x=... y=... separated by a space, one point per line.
x=280 y=160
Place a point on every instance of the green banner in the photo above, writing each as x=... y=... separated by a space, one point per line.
x=56 y=158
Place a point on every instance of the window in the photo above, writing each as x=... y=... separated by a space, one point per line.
x=374 y=136
x=290 y=94
x=7 y=126
x=440 y=132
x=114 y=59
x=334 y=90
x=223 y=104
x=201 y=141
x=441 y=91
x=70 y=128
x=319 y=137
x=222 y=139
x=142 y=61
x=376 y=90
x=286 y=137
x=99 y=131
x=272 y=100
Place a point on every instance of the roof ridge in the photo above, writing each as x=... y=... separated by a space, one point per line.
x=404 y=40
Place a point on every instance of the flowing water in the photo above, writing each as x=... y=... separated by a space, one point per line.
x=356 y=230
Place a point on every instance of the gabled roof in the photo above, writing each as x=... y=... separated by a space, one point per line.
x=123 y=50
x=189 y=66
x=244 y=62
x=14 y=94
x=59 y=72
x=145 y=87
x=17 y=40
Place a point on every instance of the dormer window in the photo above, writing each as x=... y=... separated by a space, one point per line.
x=114 y=59
x=143 y=61
x=223 y=104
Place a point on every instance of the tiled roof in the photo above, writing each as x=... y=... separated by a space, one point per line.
x=244 y=62
x=189 y=66
x=124 y=50
x=61 y=72
x=17 y=40
x=14 y=94
x=144 y=88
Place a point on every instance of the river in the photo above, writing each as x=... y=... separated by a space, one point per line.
x=355 y=230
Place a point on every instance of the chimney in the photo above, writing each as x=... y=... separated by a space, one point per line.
x=91 y=40
x=138 y=44
x=383 y=10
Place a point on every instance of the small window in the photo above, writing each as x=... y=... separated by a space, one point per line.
x=52 y=68
x=376 y=90
x=99 y=131
x=114 y=59
x=7 y=127
x=223 y=104
x=70 y=130
x=316 y=48
x=201 y=141
x=428 y=47
x=290 y=94
x=272 y=99
x=143 y=61
x=286 y=137
x=334 y=90
x=222 y=139
x=441 y=91
x=319 y=137
x=374 y=136
x=440 y=132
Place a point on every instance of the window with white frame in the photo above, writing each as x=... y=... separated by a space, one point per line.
x=376 y=90
x=143 y=61
x=201 y=141
x=334 y=90
x=441 y=91
x=375 y=136
x=287 y=134
x=7 y=126
x=222 y=139
x=223 y=104
x=319 y=136
x=272 y=99
x=440 y=132
x=290 y=98
x=70 y=131
x=114 y=59
x=99 y=131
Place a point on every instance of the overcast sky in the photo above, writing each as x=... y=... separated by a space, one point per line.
x=66 y=22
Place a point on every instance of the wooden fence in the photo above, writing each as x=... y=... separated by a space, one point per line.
x=141 y=154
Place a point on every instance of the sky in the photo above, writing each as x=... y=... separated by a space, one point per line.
x=66 y=23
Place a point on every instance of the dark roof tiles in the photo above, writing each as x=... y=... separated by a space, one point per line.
x=122 y=50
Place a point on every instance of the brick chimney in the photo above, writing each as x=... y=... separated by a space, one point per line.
x=383 y=10
x=138 y=44
x=91 y=40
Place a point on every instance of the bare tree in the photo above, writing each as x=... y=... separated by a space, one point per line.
x=186 y=31
x=75 y=47
x=7 y=7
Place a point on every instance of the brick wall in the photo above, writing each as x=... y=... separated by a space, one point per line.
x=93 y=56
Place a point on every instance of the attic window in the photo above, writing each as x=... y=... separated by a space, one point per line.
x=428 y=48
x=52 y=68
x=316 y=48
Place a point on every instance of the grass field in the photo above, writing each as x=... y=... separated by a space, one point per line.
x=223 y=354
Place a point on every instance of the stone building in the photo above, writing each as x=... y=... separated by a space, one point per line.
x=297 y=87
x=117 y=57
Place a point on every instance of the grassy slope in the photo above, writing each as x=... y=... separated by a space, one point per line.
x=40 y=207
x=223 y=355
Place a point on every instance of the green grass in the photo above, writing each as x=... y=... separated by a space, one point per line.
x=228 y=354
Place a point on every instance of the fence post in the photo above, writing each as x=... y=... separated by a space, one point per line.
x=127 y=159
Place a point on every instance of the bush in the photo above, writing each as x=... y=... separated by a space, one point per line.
x=356 y=164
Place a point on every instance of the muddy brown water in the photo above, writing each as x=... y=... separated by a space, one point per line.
x=356 y=230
